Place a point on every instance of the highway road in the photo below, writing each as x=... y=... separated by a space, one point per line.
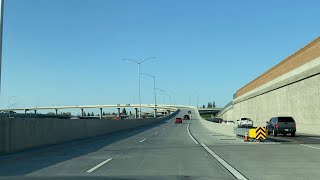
x=168 y=151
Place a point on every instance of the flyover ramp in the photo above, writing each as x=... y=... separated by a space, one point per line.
x=211 y=126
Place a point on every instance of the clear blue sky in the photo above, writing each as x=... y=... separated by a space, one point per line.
x=68 y=52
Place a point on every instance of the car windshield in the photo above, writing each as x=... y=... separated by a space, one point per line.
x=160 y=89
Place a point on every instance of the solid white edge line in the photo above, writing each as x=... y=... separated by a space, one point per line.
x=233 y=171
x=143 y=140
x=99 y=165
x=194 y=140
x=310 y=146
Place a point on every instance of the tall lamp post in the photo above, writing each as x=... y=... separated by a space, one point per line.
x=1 y=32
x=165 y=93
x=154 y=91
x=174 y=96
x=197 y=99
x=139 y=74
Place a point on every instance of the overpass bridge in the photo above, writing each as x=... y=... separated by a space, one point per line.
x=158 y=108
x=213 y=111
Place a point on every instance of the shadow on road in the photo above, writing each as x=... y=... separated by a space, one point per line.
x=298 y=139
x=26 y=162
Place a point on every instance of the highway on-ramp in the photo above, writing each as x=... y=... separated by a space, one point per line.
x=164 y=151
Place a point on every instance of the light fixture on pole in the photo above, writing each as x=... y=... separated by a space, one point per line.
x=174 y=96
x=1 y=39
x=166 y=94
x=139 y=74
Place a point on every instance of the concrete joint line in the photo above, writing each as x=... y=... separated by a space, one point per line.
x=232 y=170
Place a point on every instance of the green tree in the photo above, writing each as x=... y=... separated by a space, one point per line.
x=203 y=106
x=213 y=104
x=84 y=113
x=92 y=114
x=103 y=113
x=209 y=105
x=68 y=114
x=88 y=114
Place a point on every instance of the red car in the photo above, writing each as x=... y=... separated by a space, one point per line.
x=178 y=120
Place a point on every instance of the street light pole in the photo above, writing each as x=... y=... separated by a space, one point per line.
x=139 y=90
x=169 y=97
x=139 y=85
x=174 y=97
x=1 y=32
x=165 y=94
x=155 y=94
x=197 y=99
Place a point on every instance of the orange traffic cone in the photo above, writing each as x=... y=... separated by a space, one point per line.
x=246 y=137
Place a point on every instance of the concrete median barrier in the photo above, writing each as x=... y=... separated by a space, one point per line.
x=224 y=129
x=23 y=133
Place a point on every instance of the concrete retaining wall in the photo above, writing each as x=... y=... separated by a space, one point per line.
x=22 y=133
x=223 y=129
x=296 y=94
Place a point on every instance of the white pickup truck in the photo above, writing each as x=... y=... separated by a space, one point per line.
x=245 y=122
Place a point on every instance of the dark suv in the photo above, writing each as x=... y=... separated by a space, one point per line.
x=284 y=125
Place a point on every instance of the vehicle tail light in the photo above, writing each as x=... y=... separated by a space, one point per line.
x=277 y=125
x=295 y=125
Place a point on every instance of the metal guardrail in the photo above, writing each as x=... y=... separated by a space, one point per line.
x=242 y=131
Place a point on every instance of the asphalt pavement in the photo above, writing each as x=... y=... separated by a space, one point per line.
x=168 y=151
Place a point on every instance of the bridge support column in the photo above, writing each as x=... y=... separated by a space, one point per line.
x=136 y=115
x=25 y=111
x=118 y=112
x=169 y=112
x=82 y=113
x=56 y=112
x=100 y=113
x=35 y=111
x=155 y=112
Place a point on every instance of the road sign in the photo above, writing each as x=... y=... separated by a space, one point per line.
x=261 y=133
